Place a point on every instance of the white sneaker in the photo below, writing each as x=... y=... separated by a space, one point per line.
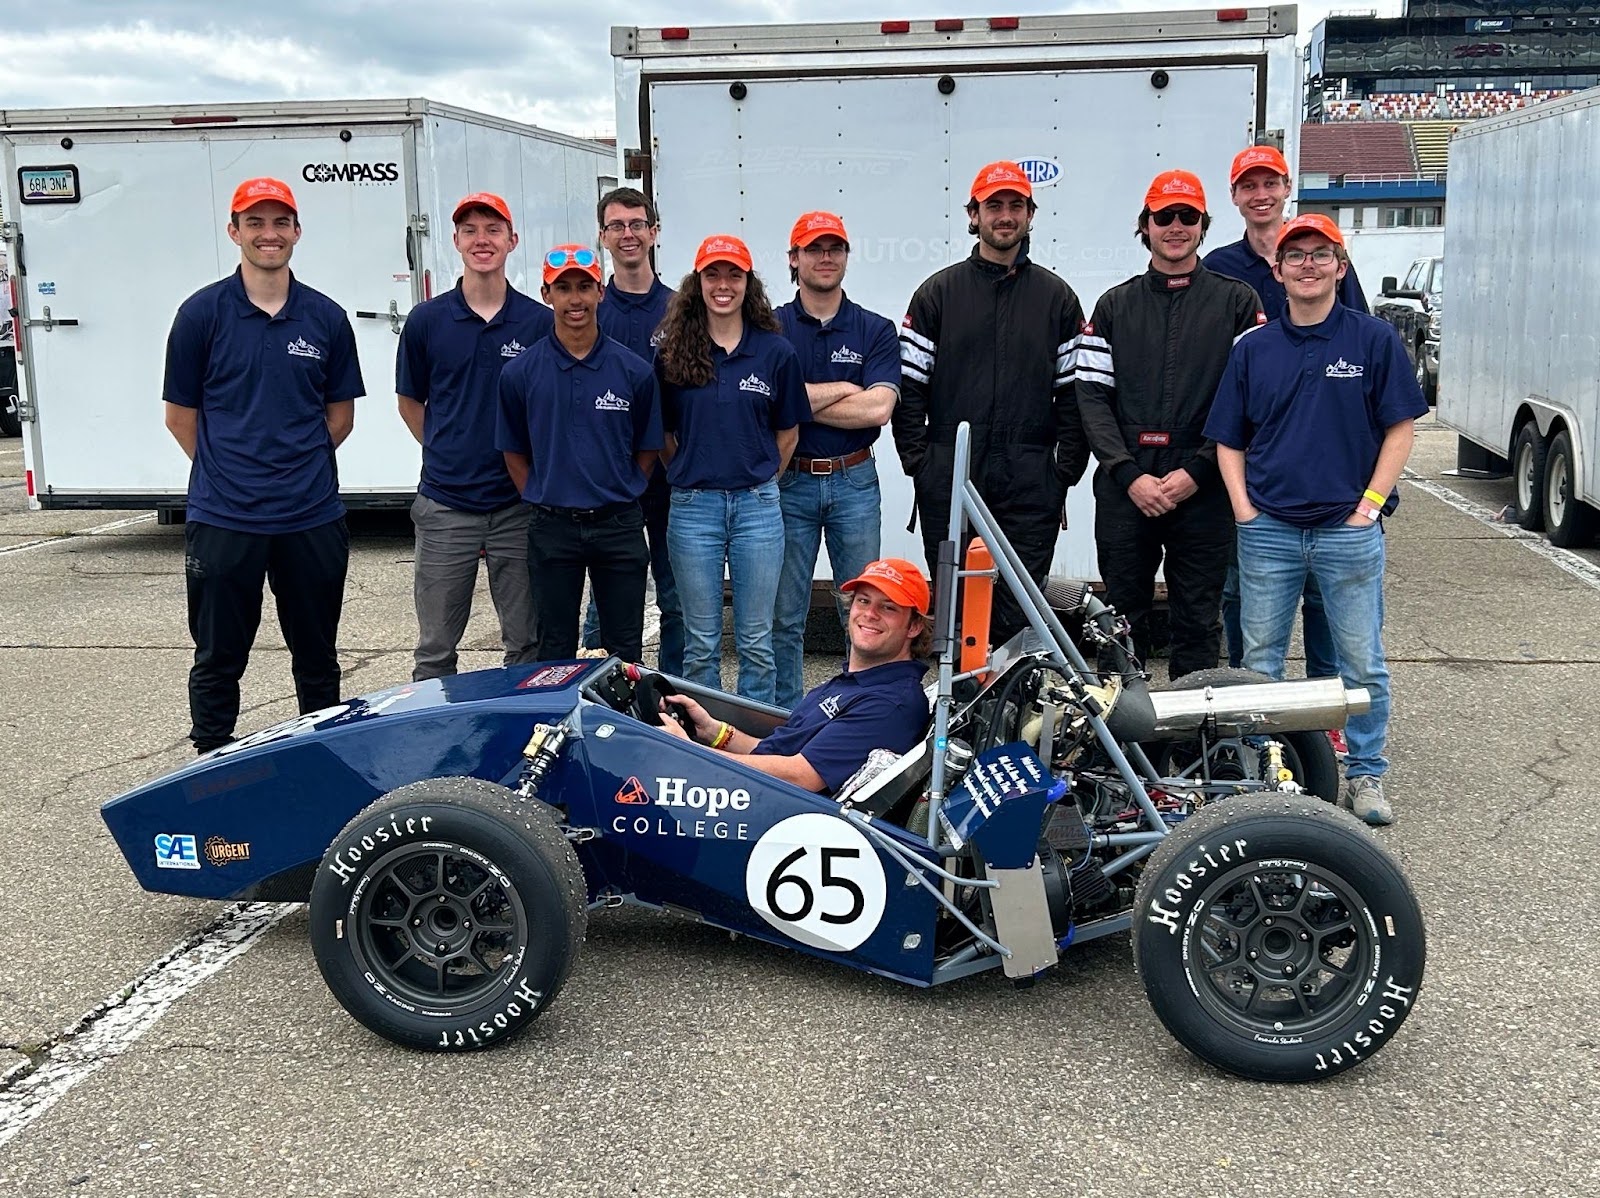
x=1364 y=796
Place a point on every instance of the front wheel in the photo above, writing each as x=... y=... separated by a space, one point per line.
x=1528 y=452
x=1309 y=756
x=1277 y=940
x=447 y=915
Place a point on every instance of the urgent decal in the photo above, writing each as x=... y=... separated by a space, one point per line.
x=222 y=852
x=817 y=879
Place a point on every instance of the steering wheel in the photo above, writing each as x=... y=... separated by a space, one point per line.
x=647 y=695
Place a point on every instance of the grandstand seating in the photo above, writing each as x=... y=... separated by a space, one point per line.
x=1357 y=148
x=1425 y=106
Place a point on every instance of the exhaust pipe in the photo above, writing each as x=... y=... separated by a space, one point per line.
x=1259 y=708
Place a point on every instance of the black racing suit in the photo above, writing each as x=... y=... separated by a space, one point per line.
x=993 y=345
x=1147 y=368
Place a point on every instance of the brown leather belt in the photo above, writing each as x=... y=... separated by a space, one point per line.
x=829 y=465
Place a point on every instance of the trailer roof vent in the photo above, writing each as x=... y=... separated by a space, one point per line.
x=1233 y=14
x=204 y=120
x=949 y=25
x=1000 y=23
x=675 y=33
x=895 y=27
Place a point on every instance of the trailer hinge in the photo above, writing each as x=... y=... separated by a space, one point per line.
x=26 y=411
x=418 y=224
x=8 y=230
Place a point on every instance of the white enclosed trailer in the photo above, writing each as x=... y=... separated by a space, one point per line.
x=115 y=215
x=739 y=129
x=1520 y=353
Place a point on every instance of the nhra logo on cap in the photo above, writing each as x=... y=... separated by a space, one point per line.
x=1041 y=172
x=752 y=383
x=301 y=348
x=634 y=793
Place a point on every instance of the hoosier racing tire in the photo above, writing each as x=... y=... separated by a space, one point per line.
x=1276 y=939
x=448 y=914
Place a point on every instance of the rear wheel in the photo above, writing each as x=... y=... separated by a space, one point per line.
x=447 y=915
x=1309 y=756
x=1528 y=452
x=1276 y=939
x=1430 y=388
x=1568 y=520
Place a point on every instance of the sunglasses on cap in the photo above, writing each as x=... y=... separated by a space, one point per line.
x=583 y=259
x=1167 y=215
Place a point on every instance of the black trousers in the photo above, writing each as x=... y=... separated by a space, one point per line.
x=611 y=549
x=1195 y=540
x=1019 y=484
x=224 y=571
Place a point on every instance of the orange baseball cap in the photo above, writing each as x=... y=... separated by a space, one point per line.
x=259 y=191
x=1172 y=189
x=482 y=199
x=1000 y=176
x=896 y=578
x=1311 y=222
x=562 y=258
x=1257 y=156
x=812 y=225
x=721 y=247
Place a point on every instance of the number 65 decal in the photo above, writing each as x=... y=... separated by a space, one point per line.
x=817 y=880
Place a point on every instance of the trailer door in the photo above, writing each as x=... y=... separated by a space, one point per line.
x=99 y=269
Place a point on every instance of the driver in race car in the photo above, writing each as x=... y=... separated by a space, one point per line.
x=876 y=702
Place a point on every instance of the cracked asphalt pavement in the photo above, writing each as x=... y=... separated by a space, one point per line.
x=678 y=1061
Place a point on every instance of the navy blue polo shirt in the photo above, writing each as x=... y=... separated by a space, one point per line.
x=725 y=428
x=263 y=457
x=1309 y=406
x=856 y=346
x=579 y=421
x=837 y=724
x=1240 y=261
x=450 y=360
x=633 y=319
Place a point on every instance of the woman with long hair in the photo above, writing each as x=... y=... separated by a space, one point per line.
x=732 y=399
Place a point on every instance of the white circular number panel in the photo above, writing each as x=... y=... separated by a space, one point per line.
x=817 y=880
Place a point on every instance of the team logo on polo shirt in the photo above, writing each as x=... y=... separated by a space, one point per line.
x=511 y=348
x=1344 y=370
x=655 y=338
x=301 y=348
x=847 y=355
x=830 y=706
x=611 y=403
x=759 y=386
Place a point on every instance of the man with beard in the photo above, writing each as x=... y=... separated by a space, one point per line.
x=851 y=363
x=1148 y=365
x=876 y=702
x=992 y=341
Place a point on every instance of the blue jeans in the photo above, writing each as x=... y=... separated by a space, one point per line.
x=1321 y=660
x=744 y=530
x=843 y=506
x=1347 y=562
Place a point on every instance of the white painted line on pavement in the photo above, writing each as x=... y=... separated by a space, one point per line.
x=1574 y=564
x=83 y=532
x=112 y=1028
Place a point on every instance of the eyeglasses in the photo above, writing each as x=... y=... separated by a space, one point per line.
x=1322 y=255
x=824 y=251
x=584 y=259
x=1167 y=215
x=625 y=226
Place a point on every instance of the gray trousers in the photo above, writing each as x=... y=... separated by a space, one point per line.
x=449 y=543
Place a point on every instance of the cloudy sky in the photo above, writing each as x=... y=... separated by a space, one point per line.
x=548 y=64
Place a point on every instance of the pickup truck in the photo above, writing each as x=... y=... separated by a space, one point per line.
x=1414 y=309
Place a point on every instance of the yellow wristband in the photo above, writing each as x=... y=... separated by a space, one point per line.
x=724 y=735
x=1380 y=500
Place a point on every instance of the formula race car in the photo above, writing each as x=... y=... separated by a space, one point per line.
x=454 y=836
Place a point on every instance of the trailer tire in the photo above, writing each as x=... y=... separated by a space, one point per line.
x=1568 y=521
x=1528 y=452
x=1429 y=384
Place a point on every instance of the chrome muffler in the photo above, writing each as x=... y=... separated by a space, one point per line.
x=1258 y=708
